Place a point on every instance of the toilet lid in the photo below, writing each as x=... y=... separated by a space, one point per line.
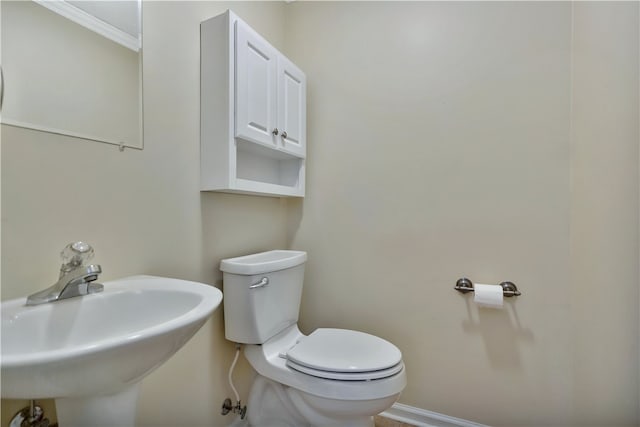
x=344 y=351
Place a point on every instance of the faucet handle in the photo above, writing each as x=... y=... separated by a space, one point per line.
x=74 y=255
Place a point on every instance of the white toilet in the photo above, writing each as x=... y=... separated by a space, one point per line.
x=332 y=377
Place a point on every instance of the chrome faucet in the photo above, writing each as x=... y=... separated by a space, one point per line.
x=75 y=277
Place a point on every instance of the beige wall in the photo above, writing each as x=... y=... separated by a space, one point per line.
x=445 y=139
x=604 y=202
x=441 y=146
x=142 y=210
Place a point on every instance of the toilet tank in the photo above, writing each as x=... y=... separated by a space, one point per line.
x=261 y=294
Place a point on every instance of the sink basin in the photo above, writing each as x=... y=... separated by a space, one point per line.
x=84 y=350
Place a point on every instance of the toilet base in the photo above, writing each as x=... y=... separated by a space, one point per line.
x=272 y=404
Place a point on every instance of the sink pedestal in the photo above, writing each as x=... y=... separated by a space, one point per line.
x=115 y=410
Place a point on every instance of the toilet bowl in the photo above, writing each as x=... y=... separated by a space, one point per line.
x=331 y=377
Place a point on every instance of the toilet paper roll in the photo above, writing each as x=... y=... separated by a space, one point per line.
x=488 y=295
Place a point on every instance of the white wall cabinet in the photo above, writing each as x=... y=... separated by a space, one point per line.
x=253 y=113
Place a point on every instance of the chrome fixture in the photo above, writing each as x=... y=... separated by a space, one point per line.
x=262 y=283
x=31 y=416
x=227 y=406
x=75 y=277
x=465 y=285
x=276 y=131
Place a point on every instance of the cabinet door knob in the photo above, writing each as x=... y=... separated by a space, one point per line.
x=275 y=131
x=284 y=134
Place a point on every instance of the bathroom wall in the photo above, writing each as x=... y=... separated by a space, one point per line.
x=487 y=140
x=604 y=202
x=497 y=141
x=142 y=210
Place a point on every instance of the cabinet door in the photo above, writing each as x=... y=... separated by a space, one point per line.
x=292 y=112
x=256 y=79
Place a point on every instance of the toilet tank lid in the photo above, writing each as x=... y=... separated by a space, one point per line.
x=263 y=262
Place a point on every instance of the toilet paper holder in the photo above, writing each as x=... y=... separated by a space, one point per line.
x=509 y=289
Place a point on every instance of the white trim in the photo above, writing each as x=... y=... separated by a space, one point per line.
x=89 y=21
x=25 y=125
x=423 y=418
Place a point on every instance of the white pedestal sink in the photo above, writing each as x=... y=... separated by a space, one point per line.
x=90 y=352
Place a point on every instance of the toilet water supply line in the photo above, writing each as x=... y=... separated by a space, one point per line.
x=227 y=405
x=233 y=365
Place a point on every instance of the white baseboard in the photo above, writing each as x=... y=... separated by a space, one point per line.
x=423 y=418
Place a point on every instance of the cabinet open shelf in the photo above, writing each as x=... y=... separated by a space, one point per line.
x=263 y=170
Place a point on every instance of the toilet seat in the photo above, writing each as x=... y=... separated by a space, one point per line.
x=342 y=376
x=346 y=355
